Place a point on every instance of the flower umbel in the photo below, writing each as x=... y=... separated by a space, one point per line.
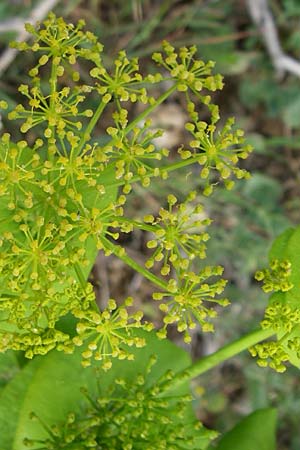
x=186 y=299
x=189 y=72
x=109 y=334
x=180 y=234
x=133 y=153
x=124 y=84
x=60 y=198
x=217 y=151
x=277 y=277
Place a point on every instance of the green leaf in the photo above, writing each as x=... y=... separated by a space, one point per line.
x=287 y=246
x=11 y=401
x=256 y=432
x=50 y=387
x=9 y=366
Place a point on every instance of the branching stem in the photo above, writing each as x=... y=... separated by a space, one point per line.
x=146 y=112
x=115 y=249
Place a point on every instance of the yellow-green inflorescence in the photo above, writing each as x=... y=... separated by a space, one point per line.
x=187 y=299
x=280 y=316
x=129 y=415
x=59 y=200
x=277 y=277
x=178 y=231
x=109 y=334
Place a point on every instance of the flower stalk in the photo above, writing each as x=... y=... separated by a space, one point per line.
x=215 y=359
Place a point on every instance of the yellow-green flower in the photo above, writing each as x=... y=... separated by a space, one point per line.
x=217 y=151
x=179 y=234
x=109 y=334
x=186 y=300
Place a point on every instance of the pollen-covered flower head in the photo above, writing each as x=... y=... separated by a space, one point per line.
x=133 y=154
x=189 y=72
x=179 y=233
x=109 y=334
x=187 y=300
x=19 y=166
x=124 y=83
x=217 y=151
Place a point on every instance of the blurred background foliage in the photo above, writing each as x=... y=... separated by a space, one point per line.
x=247 y=219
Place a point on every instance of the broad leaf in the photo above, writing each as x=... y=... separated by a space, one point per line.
x=11 y=402
x=50 y=387
x=256 y=432
x=9 y=367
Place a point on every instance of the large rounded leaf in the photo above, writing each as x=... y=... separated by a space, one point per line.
x=256 y=432
x=50 y=387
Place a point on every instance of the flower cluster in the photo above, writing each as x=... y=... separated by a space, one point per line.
x=189 y=72
x=61 y=40
x=35 y=342
x=277 y=277
x=60 y=203
x=179 y=234
x=280 y=317
x=39 y=257
x=133 y=153
x=125 y=84
x=29 y=319
x=130 y=415
x=217 y=151
x=56 y=110
x=284 y=320
x=186 y=299
x=19 y=166
x=73 y=433
x=109 y=334
x=270 y=354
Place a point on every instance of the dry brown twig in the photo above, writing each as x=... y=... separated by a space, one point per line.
x=15 y=24
x=262 y=17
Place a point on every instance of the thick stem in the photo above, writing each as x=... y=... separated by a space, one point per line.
x=208 y=362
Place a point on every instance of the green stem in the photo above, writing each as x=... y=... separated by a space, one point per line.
x=208 y=362
x=86 y=134
x=115 y=249
x=147 y=111
x=52 y=106
x=80 y=275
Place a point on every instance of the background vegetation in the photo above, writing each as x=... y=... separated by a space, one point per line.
x=268 y=108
